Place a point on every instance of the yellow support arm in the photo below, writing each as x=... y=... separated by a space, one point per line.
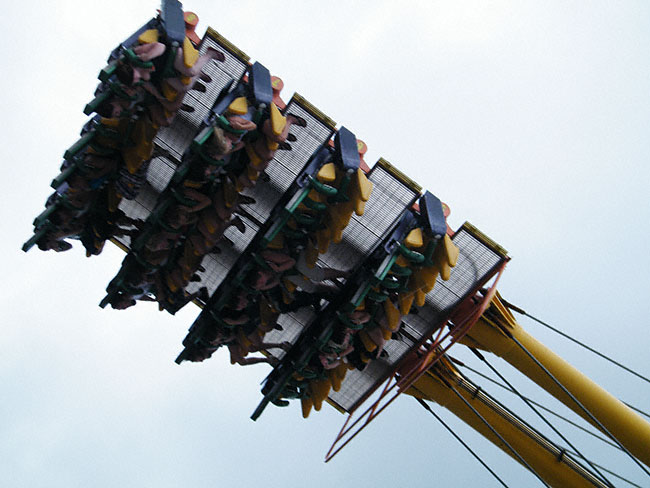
x=491 y=333
x=542 y=456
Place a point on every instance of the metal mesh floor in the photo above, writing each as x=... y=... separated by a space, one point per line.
x=477 y=263
x=286 y=165
x=389 y=198
x=282 y=171
x=172 y=142
x=176 y=138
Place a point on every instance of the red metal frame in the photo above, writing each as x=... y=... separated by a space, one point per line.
x=413 y=367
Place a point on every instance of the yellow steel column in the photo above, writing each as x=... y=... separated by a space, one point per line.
x=623 y=423
x=540 y=455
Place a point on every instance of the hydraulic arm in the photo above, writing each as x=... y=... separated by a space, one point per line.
x=498 y=332
x=445 y=386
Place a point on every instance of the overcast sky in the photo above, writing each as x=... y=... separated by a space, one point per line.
x=530 y=119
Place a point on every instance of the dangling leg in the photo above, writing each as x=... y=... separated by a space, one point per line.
x=195 y=70
x=285 y=346
x=247 y=361
x=149 y=51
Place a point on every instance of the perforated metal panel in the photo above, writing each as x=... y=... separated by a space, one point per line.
x=217 y=266
x=288 y=164
x=477 y=263
x=292 y=325
x=140 y=208
x=176 y=138
x=390 y=197
x=283 y=171
x=160 y=173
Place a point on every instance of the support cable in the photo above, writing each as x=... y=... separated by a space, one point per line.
x=607 y=441
x=458 y=438
x=577 y=402
x=611 y=472
x=538 y=405
x=576 y=341
x=499 y=436
x=549 y=424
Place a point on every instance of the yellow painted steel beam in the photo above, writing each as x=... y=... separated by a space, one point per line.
x=490 y=334
x=542 y=456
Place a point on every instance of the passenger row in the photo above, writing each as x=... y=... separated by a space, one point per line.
x=354 y=330
x=279 y=273
x=141 y=90
x=234 y=147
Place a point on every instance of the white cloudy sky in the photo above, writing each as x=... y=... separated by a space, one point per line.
x=530 y=119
